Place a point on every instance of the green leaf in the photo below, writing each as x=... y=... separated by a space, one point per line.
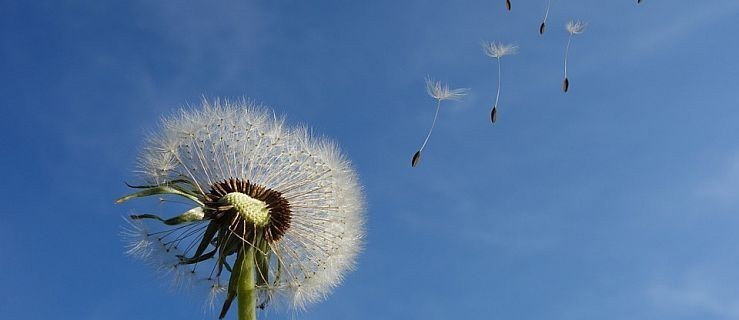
x=168 y=183
x=210 y=232
x=233 y=284
x=161 y=190
x=226 y=249
x=196 y=259
x=261 y=257
x=278 y=273
x=194 y=214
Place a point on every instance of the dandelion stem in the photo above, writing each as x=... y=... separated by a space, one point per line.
x=438 y=104
x=546 y=15
x=497 y=95
x=246 y=288
x=567 y=52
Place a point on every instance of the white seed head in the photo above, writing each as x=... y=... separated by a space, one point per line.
x=225 y=140
x=498 y=50
x=575 y=27
x=442 y=92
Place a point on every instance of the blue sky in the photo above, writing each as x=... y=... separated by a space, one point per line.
x=617 y=200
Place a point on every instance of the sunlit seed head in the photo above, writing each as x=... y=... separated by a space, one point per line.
x=258 y=183
x=250 y=209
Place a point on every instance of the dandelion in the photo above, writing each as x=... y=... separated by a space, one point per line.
x=439 y=92
x=573 y=28
x=544 y=21
x=275 y=214
x=497 y=51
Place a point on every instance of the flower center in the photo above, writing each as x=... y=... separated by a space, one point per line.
x=261 y=211
x=252 y=210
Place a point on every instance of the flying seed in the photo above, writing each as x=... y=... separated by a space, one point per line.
x=497 y=51
x=416 y=158
x=439 y=92
x=544 y=20
x=573 y=28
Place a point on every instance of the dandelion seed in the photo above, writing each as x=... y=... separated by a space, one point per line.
x=497 y=51
x=573 y=28
x=544 y=21
x=638 y=1
x=508 y=4
x=442 y=92
x=416 y=158
x=276 y=212
x=439 y=92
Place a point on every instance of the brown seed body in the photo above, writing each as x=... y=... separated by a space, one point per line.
x=416 y=158
x=541 y=28
x=566 y=85
x=494 y=114
x=508 y=4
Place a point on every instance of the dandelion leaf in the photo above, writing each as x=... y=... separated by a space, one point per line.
x=208 y=236
x=261 y=256
x=191 y=215
x=197 y=258
x=233 y=284
x=160 y=190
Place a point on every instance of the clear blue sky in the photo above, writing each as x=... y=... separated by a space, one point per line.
x=617 y=200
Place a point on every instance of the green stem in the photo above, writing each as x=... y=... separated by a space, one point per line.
x=246 y=293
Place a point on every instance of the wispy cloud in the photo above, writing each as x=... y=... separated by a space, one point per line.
x=721 y=186
x=225 y=39
x=663 y=37
x=702 y=290
x=474 y=225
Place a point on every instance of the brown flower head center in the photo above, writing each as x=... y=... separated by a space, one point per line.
x=248 y=209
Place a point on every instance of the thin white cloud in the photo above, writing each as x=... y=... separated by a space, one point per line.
x=702 y=290
x=225 y=40
x=665 y=36
x=721 y=186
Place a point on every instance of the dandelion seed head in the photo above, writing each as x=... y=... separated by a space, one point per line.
x=576 y=27
x=256 y=178
x=498 y=50
x=440 y=91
